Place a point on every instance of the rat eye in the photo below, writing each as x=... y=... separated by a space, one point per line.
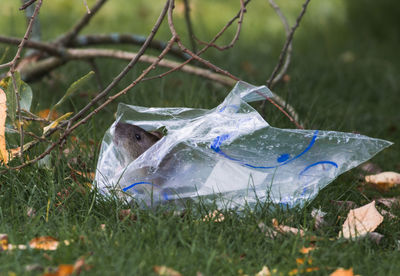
x=138 y=136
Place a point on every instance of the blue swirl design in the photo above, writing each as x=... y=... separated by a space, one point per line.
x=283 y=159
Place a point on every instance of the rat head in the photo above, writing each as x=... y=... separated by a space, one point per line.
x=134 y=140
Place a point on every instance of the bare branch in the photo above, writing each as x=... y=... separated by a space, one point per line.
x=13 y=68
x=189 y=25
x=288 y=55
x=205 y=62
x=115 y=38
x=27 y=4
x=128 y=67
x=287 y=43
x=236 y=36
x=69 y=36
x=91 y=114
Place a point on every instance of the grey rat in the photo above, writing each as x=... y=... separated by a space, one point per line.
x=134 y=140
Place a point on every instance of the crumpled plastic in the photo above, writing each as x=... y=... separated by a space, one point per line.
x=229 y=156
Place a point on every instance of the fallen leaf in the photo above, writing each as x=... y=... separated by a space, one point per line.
x=215 y=216
x=44 y=243
x=34 y=267
x=389 y=202
x=306 y=250
x=347 y=204
x=361 y=221
x=269 y=232
x=384 y=180
x=165 y=271
x=3 y=116
x=126 y=214
x=318 y=215
x=286 y=229
x=30 y=212
x=79 y=265
x=342 y=272
x=388 y=214
x=264 y=272
x=3 y=242
x=370 y=167
x=62 y=270
x=375 y=236
x=301 y=271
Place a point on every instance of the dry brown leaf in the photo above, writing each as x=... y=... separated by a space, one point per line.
x=127 y=214
x=361 y=221
x=264 y=272
x=269 y=232
x=389 y=202
x=347 y=204
x=342 y=272
x=3 y=115
x=370 y=167
x=215 y=216
x=44 y=243
x=384 y=180
x=45 y=113
x=318 y=215
x=165 y=271
x=286 y=229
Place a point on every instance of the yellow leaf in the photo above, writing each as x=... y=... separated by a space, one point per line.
x=306 y=250
x=44 y=243
x=302 y=271
x=55 y=122
x=342 y=272
x=385 y=179
x=3 y=242
x=165 y=271
x=3 y=115
x=361 y=221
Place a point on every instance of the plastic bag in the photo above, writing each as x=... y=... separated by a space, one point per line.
x=228 y=155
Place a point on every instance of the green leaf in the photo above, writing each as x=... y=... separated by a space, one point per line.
x=11 y=100
x=73 y=88
x=25 y=93
x=3 y=57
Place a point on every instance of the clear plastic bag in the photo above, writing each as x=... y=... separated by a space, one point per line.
x=228 y=155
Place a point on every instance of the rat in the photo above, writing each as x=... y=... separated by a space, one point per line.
x=134 y=140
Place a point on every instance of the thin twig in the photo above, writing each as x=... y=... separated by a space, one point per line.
x=206 y=47
x=288 y=55
x=96 y=71
x=118 y=78
x=189 y=25
x=287 y=43
x=27 y=4
x=12 y=72
x=69 y=36
x=183 y=48
x=237 y=34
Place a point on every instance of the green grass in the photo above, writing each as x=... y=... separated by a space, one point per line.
x=330 y=91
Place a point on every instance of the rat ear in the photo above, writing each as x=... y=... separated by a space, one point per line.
x=158 y=134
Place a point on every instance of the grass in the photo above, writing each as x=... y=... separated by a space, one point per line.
x=343 y=76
